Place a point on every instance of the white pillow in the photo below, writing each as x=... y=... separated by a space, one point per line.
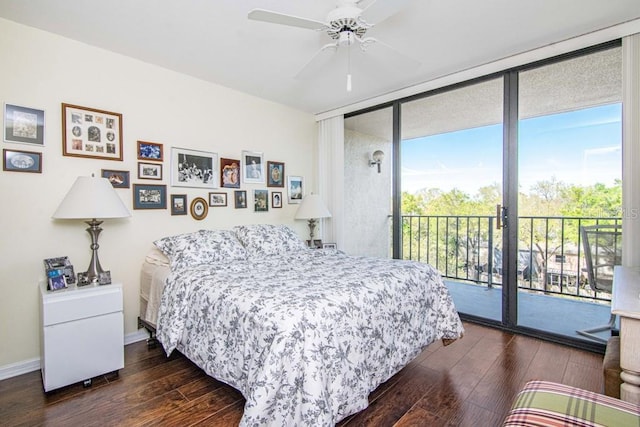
x=201 y=247
x=266 y=239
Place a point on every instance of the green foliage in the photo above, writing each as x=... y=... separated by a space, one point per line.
x=546 y=198
x=455 y=231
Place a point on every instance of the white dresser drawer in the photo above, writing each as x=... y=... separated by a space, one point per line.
x=82 y=333
x=74 y=304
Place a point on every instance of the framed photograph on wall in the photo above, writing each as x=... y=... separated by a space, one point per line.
x=252 y=167
x=23 y=125
x=178 y=204
x=276 y=199
x=194 y=168
x=275 y=174
x=261 y=200
x=229 y=173
x=87 y=132
x=149 y=171
x=199 y=208
x=21 y=161
x=240 y=198
x=217 y=199
x=117 y=178
x=151 y=151
x=295 y=189
x=149 y=196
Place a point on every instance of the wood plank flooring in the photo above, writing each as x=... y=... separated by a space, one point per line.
x=471 y=382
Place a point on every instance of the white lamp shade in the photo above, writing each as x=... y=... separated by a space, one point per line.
x=312 y=207
x=91 y=198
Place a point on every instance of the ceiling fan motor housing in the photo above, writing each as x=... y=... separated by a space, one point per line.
x=346 y=19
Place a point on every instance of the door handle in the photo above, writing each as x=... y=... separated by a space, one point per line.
x=501 y=217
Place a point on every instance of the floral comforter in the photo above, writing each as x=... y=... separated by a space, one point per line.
x=307 y=336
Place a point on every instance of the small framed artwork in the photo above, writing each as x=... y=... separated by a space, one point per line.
x=199 y=208
x=252 y=167
x=240 y=198
x=178 y=204
x=314 y=244
x=23 y=125
x=60 y=265
x=149 y=196
x=329 y=246
x=57 y=282
x=117 y=178
x=149 y=171
x=261 y=200
x=21 y=161
x=87 y=132
x=276 y=199
x=275 y=174
x=229 y=173
x=217 y=199
x=151 y=151
x=193 y=168
x=295 y=189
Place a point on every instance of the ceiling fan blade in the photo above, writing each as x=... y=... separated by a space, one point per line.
x=390 y=54
x=318 y=60
x=377 y=11
x=283 y=19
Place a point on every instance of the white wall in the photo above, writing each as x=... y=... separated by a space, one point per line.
x=367 y=196
x=42 y=70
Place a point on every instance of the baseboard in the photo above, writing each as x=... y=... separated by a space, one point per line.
x=30 y=365
x=19 y=368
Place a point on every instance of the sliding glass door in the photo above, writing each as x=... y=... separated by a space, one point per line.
x=451 y=156
x=493 y=181
x=569 y=175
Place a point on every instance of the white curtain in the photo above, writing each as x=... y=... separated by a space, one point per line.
x=631 y=150
x=331 y=176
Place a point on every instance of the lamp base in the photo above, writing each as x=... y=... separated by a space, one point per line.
x=312 y=228
x=94 y=274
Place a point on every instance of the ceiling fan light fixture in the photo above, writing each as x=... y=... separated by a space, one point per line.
x=346 y=37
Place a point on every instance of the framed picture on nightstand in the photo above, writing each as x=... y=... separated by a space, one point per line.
x=57 y=282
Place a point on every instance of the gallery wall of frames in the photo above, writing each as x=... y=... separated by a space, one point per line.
x=97 y=134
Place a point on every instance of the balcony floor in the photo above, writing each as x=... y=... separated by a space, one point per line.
x=553 y=314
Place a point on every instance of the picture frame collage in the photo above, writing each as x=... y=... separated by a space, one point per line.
x=23 y=125
x=93 y=133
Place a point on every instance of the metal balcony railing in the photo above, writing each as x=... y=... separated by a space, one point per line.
x=468 y=248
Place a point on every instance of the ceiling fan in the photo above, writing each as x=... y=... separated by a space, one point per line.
x=346 y=25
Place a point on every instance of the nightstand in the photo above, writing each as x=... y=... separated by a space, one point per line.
x=82 y=333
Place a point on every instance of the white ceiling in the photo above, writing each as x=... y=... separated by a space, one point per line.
x=213 y=39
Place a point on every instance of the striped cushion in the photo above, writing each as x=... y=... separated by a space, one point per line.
x=543 y=403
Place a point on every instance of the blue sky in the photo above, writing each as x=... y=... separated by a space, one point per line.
x=578 y=147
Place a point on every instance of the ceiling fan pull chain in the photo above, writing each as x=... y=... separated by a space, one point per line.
x=349 y=67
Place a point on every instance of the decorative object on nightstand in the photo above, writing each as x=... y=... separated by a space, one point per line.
x=312 y=208
x=377 y=158
x=92 y=198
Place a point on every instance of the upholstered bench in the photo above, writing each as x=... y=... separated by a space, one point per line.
x=543 y=403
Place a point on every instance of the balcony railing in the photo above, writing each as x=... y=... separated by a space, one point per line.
x=468 y=248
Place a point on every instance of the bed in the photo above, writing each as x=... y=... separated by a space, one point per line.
x=304 y=334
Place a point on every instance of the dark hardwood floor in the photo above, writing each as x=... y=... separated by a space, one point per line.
x=471 y=382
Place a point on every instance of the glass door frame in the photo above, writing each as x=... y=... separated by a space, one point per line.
x=510 y=190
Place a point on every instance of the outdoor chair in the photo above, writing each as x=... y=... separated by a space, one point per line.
x=602 y=251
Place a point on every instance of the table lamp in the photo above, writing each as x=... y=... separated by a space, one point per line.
x=92 y=199
x=312 y=207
